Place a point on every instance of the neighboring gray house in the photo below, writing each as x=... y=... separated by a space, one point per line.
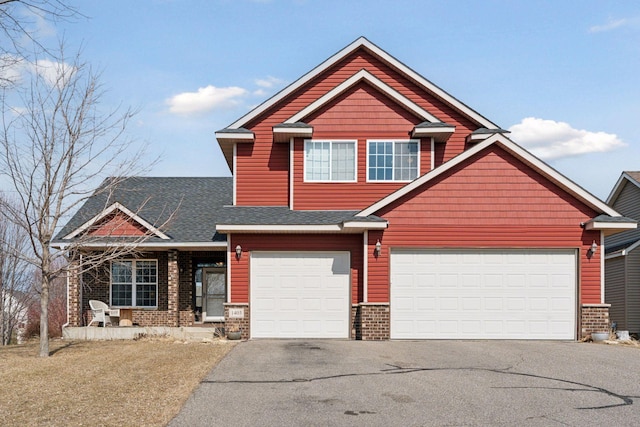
x=622 y=257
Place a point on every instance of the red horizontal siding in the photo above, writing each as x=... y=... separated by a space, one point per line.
x=490 y=201
x=505 y=237
x=118 y=224
x=240 y=286
x=362 y=113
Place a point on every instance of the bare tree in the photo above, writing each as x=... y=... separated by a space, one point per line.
x=18 y=35
x=56 y=145
x=15 y=280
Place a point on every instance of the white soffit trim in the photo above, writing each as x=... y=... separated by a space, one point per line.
x=297 y=131
x=617 y=189
x=236 y=228
x=148 y=245
x=375 y=82
x=234 y=136
x=514 y=149
x=366 y=225
x=109 y=210
x=597 y=225
x=363 y=42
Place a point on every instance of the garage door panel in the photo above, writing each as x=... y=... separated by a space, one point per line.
x=300 y=295
x=508 y=294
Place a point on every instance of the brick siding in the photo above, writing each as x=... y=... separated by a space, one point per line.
x=594 y=318
x=237 y=324
x=374 y=321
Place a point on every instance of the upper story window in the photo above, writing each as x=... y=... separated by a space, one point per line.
x=330 y=161
x=134 y=283
x=392 y=160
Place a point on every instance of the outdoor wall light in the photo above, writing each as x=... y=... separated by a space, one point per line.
x=238 y=251
x=378 y=248
x=593 y=249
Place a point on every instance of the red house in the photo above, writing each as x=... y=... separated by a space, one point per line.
x=368 y=203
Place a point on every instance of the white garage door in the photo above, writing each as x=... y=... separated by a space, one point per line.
x=484 y=294
x=300 y=294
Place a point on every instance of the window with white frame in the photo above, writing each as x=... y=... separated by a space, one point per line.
x=392 y=160
x=330 y=161
x=134 y=283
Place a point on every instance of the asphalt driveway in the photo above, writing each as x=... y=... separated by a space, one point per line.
x=432 y=383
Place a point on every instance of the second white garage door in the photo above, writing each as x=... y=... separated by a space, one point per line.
x=300 y=294
x=483 y=294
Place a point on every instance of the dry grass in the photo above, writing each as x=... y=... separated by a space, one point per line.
x=106 y=383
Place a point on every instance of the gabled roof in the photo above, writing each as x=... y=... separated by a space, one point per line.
x=519 y=152
x=110 y=210
x=364 y=75
x=393 y=62
x=194 y=203
x=627 y=176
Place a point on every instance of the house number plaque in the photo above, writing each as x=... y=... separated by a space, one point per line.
x=236 y=313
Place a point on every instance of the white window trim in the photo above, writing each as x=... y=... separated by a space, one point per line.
x=133 y=284
x=330 y=141
x=394 y=141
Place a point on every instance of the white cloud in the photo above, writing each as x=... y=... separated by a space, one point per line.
x=54 y=73
x=269 y=82
x=205 y=99
x=611 y=24
x=551 y=140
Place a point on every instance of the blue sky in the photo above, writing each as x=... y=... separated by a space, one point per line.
x=563 y=75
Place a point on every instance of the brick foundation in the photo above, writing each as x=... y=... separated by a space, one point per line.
x=594 y=318
x=237 y=324
x=374 y=321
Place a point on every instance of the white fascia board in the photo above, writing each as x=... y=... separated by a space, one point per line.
x=615 y=192
x=418 y=132
x=147 y=245
x=554 y=175
x=109 y=210
x=478 y=137
x=253 y=228
x=597 y=225
x=421 y=81
x=365 y=225
x=375 y=82
x=514 y=149
x=295 y=131
x=422 y=180
x=243 y=136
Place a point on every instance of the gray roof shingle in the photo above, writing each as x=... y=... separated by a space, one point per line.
x=196 y=202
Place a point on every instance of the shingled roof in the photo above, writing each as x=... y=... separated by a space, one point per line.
x=195 y=202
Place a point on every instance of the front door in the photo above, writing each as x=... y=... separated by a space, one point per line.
x=215 y=294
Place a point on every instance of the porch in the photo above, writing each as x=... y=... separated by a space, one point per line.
x=183 y=333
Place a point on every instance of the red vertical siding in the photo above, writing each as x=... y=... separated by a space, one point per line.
x=491 y=201
x=362 y=113
x=240 y=286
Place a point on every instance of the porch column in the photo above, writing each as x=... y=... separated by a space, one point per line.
x=172 y=288
x=74 y=308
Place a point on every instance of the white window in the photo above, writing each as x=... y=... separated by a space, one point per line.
x=134 y=283
x=392 y=160
x=330 y=161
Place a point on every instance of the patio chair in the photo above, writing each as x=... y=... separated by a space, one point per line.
x=101 y=313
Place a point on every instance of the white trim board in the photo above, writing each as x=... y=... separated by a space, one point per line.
x=393 y=62
x=519 y=152
x=108 y=211
x=363 y=75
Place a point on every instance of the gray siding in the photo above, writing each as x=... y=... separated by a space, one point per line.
x=627 y=204
x=633 y=291
x=614 y=290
